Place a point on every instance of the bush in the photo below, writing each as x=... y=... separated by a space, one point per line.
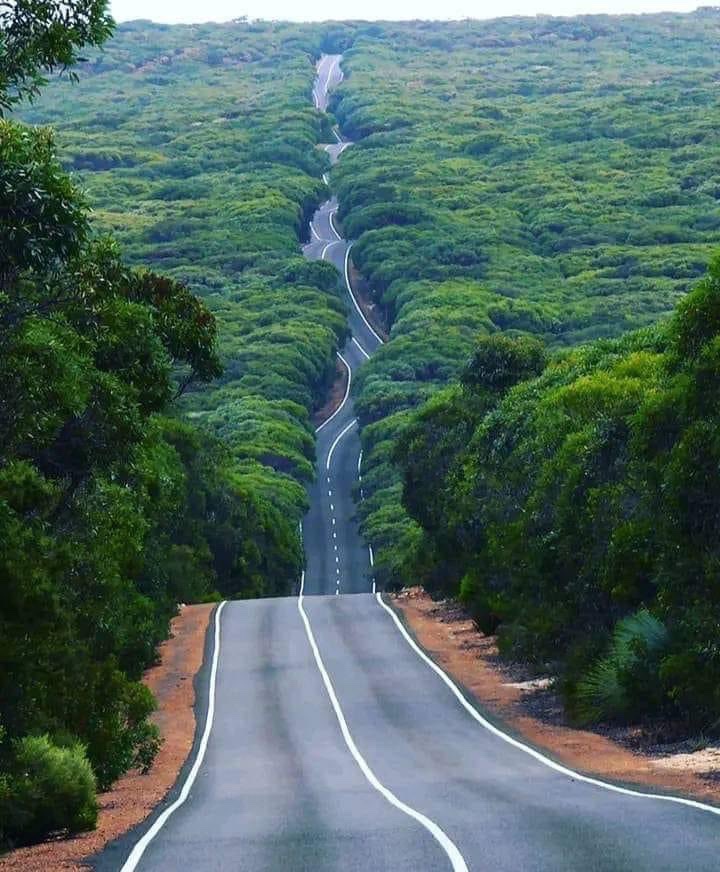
x=48 y=789
x=626 y=681
x=122 y=737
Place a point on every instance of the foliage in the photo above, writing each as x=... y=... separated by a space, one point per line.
x=541 y=176
x=49 y=789
x=623 y=682
x=39 y=36
x=206 y=168
x=584 y=502
x=112 y=511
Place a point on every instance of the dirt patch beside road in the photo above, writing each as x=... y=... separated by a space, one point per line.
x=336 y=396
x=133 y=797
x=531 y=708
x=370 y=309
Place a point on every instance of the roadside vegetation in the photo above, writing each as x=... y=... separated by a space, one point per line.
x=125 y=488
x=532 y=201
x=520 y=188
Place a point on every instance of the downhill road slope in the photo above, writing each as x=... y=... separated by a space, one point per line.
x=332 y=743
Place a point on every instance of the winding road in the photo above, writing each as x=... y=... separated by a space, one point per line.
x=338 y=561
x=332 y=742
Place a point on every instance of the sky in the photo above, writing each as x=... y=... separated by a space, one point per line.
x=190 y=11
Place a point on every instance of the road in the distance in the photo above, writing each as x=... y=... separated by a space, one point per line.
x=333 y=745
x=338 y=561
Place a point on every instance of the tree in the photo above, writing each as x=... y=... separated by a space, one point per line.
x=40 y=36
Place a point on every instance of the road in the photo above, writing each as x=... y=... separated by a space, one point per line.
x=338 y=561
x=331 y=741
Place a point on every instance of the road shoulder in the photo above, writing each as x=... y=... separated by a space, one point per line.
x=134 y=796
x=528 y=708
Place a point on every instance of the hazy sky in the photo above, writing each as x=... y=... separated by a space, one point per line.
x=320 y=10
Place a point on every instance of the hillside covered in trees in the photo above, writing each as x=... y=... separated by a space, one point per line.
x=554 y=180
x=124 y=490
x=531 y=199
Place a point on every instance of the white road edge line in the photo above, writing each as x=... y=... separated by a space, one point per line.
x=344 y=400
x=329 y=245
x=136 y=854
x=362 y=350
x=335 y=443
x=521 y=746
x=352 y=296
x=331 y=222
x=453 y=854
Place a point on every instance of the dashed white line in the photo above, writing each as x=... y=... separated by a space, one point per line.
x=453 y=854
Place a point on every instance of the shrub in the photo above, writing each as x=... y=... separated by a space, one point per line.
x=48 y=789
x=626 y=681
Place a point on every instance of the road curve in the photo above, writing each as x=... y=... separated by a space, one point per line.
x=338 y=561
x=331 y=742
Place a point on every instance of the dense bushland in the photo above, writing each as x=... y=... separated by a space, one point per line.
x=196 y=147
x=112 y=509
x=574 y=502
x=543 y=176
x=546 y=178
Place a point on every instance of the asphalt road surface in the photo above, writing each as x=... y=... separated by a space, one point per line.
x=331 y=742
x=338 y=561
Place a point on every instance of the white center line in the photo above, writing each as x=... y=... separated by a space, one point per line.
x=337 y=439
x=329 y=245
x=362 y=350
x=456 y=859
